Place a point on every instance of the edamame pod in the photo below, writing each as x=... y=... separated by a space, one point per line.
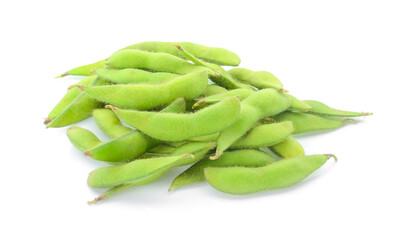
x=264 y=135
x=132 y=75
x=303 y=122
x=85 y=70
x=298 y=105
x=263 y=103
x=109 y=123
x=242 y=93
x=179 y=127
x=244 y=158
x=258 y=79
x=281 y=174
x=324 y=110
x=197 y=149
x=289 y=148
x=214 y=89
x=82 y=139
x=159 y=62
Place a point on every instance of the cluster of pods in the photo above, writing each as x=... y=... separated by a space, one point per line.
x=165 y=105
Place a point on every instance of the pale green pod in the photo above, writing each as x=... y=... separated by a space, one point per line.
x=130 y=172
x=68 y=98
x=79 y=109
x=281 y=174
x=85 y=70
x=297 y=105
x=132 y=75
x=162 y=149
x=258 y=79
x=197 y=149
x=324 y=110
x=303 y=122
x=243 y=158
x=264 y=135
x=82 y=138
x=263 y=103
x=158 y=62
x=207 y=138
x=179 y=127
x=148 y=96
x=109 y=123
x=241 y=93
x=214 y=89
x=215 y=55
x=289 y=148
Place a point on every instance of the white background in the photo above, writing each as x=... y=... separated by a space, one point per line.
x=354 y=55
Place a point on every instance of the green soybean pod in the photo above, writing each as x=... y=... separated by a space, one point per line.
x=214 y=89
x=215 y=55
x=266 y=102
x=162 y=149
x=132 y=75
x=82 y=138
x=159 y=62
x=289 y=148
x=206 y=138
x=324 y=110
x=244 y=158
x=79 y=108
x=196 y=149
x=298 y=105
x=242 y=93
x=68 y=98
x=130 y=172
x=148 y=96
x=109 y=123
x=179 y=127
x=258 y=79
x=281 y=174
x=264 y=135
x=85 y=70
x=304 y=122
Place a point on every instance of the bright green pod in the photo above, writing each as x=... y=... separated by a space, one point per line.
x=148 y=96
x=298 y=105
x=179 y=127
x=109 y=123
x=132 y=75
x=266 y=102
x=242 y=93
x=207 y=138
x=281 y=174
x=82 y=138
x=214 y=89
x=215 y=55
x=324 y=110
x=264 y=135
x=158 y=62
x=258 y=79
x=197 y=149
x=79 y=109
x=131 y=172
x=289 y=148
x=303 y=122
x=243 y=158
x=85 y=70
x=177 y=106
x=68 y=98
x=162 y=149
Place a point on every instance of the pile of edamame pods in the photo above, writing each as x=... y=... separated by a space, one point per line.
x=166 y=104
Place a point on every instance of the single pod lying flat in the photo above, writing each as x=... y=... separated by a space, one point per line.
x=148 y=96
x=324 y=110
x=132 y=75
x=258 y=79
x=179 y=127
x=281 y=174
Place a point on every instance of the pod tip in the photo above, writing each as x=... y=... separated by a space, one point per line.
x=87 y=153
x=62 y=75
x=199 y=103
x=332 y=156
x=367 y=113
x=216 y=156
x=47 y=121
x=283 y=90
x=188 y=155
x=349 y=120
x=96 y=200
x=111 y=107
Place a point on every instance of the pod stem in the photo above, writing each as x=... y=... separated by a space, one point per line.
x=47 y=121
x=62 y=75
x=98 y=199
x=111 y=107
x=87 y=153
x=199 y=103
x=367 y=113
x=283 y=90
x=349 y=120
x=331 y=156
x=216 y=156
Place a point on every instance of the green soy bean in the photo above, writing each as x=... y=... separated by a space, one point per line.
x=304 y=122
x=85 y=70
x=130 y=172
x=148 y=96
x=158 y=62
x=298 y=105
x=324 y=110
x=258 y=79
x=82 y=139
x=244 y=158
x=263 y=103
x=197 y=149
x=77 y=110
x=242 y=93
x=132 y=75
x=265 y=135
x=289 y=148
x=281 y=174
x=109 y=123
x=162 y=149
x=179 y=127
x=214 y=89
